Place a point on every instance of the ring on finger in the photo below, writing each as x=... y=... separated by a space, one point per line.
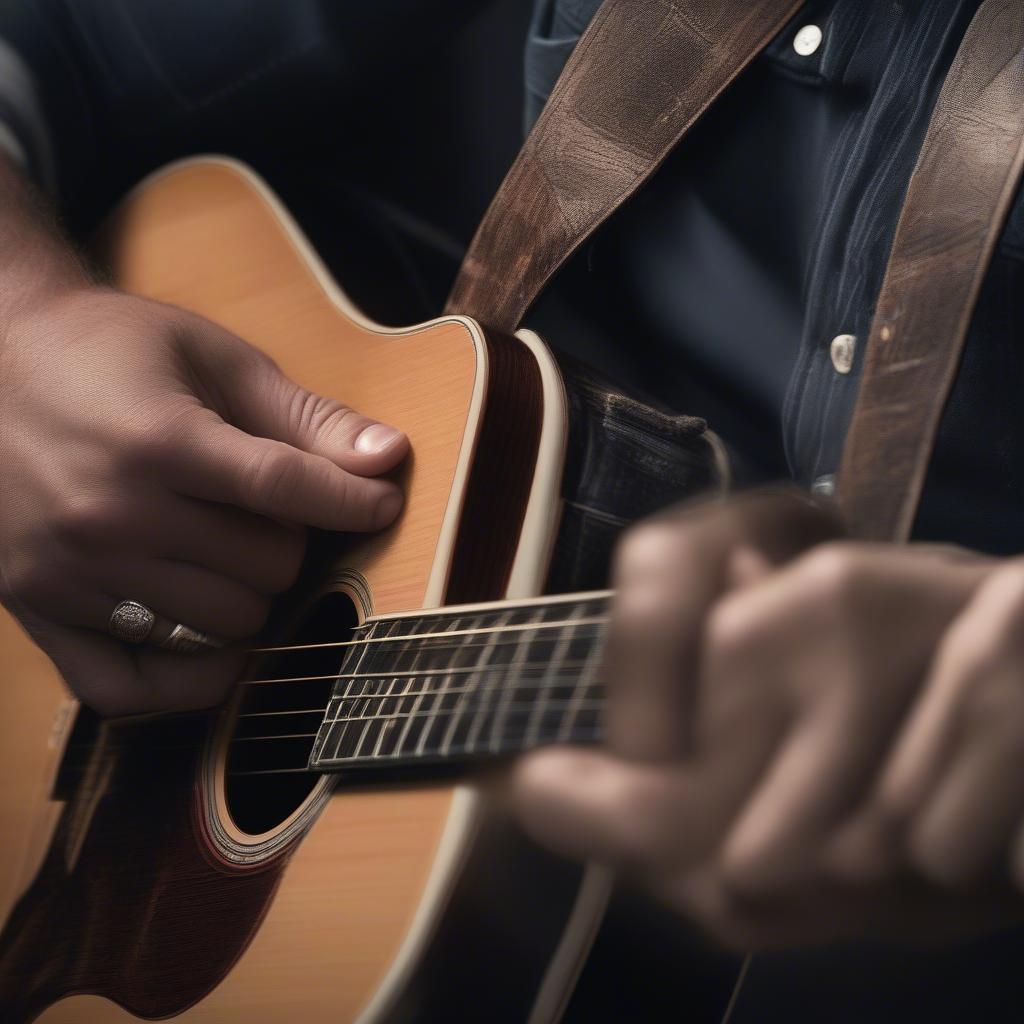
x=184 y=639
x=131 y=622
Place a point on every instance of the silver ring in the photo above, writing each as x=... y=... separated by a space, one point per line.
x=185 y=640
x=131 y=622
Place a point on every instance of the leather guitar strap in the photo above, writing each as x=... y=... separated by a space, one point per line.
x=639 y=78
x=642 y=75
x=959 y=196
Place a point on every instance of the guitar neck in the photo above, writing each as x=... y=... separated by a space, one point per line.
x=467 y=684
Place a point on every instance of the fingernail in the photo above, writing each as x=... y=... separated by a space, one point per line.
x=375 y=437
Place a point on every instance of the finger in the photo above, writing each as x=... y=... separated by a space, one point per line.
x=652 y=643
x=777 y=836
x=634 y=815
x=873 y=841
x=114 y=679
x=826 y=625
x=668 y=573
x=967 y=656
x=964 y=832
x=190 y=595
x=264 y=555
x=221 y=463
x=255 y=396
x=587 y=805
x=177 y=591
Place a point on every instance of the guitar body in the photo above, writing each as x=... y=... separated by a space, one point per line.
x=135 y=894
x=147 y=868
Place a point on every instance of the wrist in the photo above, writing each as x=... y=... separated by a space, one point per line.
x=38 y=266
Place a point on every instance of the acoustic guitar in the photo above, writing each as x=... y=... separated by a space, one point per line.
x=310 y=851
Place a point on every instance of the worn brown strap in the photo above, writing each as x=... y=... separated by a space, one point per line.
x=642 y=74
x=959 y=196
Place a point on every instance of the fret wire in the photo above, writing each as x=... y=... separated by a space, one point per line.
x=396 y=749
x=332 y=728
x=376 y=705
x=516 y=627
x=561 y=648
x=383 y=731
x=408 y=690
x=583 y=683
x=359 y=716
x=460 y=705
x=362 y=736
x=498 y=719
x=438 y=701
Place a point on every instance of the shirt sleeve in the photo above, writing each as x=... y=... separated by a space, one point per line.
x=46 y=105
x=24 y=133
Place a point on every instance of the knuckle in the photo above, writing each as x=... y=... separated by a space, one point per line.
x=271 y=474
x=155 y=436
x=643 y=549
x=641 y=612
x=319 y=415
x=730 y=632
x=834 y=574
x=82 y=518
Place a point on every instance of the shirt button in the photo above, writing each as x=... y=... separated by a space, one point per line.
x=824 y=486
x=842 y=350
x=807 y=40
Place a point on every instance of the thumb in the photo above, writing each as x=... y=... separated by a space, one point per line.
x=257 y=397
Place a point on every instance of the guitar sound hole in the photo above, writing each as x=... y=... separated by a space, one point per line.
x=277 y=722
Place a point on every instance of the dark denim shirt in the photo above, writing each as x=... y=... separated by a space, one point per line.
x=764 y=237
x=767 y=233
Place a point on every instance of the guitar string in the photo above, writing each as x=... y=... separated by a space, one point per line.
x=558 y=736
x=592 y=736
x=386 y=674
x=494 y=684
x=579 y=735
x=513 y=708
x=513 y=684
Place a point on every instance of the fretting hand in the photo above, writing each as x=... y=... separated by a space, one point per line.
x=804 y=751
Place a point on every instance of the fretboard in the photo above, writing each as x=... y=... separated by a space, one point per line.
x=463 y=685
